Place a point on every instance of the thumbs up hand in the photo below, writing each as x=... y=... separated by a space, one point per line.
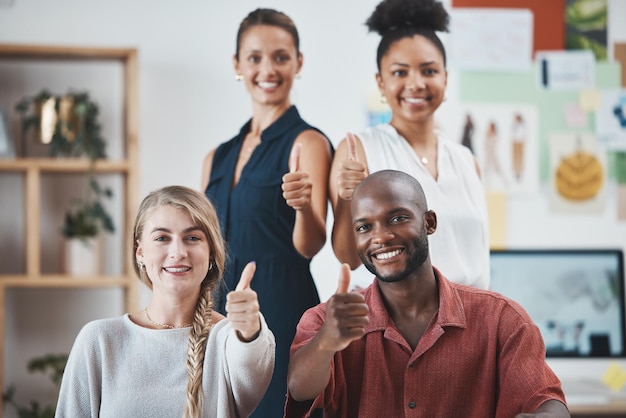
x=297 y=185
x=351 y=171
x=242 y=306
x=347 y=314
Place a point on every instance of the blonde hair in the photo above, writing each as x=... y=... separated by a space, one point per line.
x=204 y=216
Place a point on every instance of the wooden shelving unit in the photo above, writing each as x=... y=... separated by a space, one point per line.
x=32 y=170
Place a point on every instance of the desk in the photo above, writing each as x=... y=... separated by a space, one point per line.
x=590 y=398
x=614 y=409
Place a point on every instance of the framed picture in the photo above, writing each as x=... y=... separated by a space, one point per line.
x=6 y=144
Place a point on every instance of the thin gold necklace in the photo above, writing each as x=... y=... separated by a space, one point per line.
x=423 y=159
x=167 y=326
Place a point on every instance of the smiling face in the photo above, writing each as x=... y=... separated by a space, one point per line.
x=174 y=250
x=413 y=79
x=268 y=61
x=391 y=229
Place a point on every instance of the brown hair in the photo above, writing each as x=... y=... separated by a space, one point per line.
x=269 y=17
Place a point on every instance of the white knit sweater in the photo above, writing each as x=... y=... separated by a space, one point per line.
x=119 y=369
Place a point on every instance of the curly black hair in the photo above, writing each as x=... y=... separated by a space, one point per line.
x=397 y=19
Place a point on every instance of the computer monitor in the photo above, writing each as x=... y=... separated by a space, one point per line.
x=576 y=297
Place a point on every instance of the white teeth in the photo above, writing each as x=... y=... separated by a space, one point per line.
x=266 y=84
x=386 y=256
x=414 y=100
x=177 y=269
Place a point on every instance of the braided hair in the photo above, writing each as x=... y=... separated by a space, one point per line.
x=204 y=216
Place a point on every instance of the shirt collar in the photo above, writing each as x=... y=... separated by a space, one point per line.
x=451 y=310
x=450 y=313
x=278 y=128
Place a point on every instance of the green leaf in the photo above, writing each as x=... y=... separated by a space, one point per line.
x=53 y=365
x=77 y=137
x=22 y=106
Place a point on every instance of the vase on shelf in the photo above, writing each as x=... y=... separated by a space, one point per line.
x=82 y=257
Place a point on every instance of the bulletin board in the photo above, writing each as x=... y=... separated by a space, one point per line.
x=523 y=88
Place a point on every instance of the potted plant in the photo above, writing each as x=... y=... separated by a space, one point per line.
x=69 y=124
x=81 y=229
x=52 y=365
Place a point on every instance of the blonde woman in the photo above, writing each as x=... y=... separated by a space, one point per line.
x=176 y=357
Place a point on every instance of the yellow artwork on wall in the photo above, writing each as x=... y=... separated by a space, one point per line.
x=579 y=176
x=578 y=173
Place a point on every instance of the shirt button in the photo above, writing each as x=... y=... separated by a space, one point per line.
x=412 y=405
x=412 y=364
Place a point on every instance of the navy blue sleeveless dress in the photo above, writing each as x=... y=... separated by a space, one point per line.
x=257 y=225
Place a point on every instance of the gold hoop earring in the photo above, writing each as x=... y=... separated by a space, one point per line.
x=238 y=77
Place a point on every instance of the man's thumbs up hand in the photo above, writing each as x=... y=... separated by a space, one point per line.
x=347 y=315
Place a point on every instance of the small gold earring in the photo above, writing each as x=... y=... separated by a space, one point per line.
x=383 y=99
x=238 y=77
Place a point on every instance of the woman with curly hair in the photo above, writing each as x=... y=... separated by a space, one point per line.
x=412 y=79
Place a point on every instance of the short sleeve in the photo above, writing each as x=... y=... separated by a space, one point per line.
x=310 y=323
x=525 y=376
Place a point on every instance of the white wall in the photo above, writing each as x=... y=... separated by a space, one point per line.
x=190 y=102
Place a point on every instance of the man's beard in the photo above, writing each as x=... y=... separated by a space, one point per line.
x=415 y=258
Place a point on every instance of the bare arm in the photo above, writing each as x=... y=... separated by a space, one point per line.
x=348 y=170
x=309 y=370
x=548 y=409
x=345 y=321
x=305 y=188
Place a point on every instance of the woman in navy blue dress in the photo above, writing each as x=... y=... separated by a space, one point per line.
x=269 y=185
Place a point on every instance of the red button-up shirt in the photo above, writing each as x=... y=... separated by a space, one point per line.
x=481 y=356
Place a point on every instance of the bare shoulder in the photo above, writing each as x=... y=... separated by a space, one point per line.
x=312 y=140
x=208 y=158
x=206 y=169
